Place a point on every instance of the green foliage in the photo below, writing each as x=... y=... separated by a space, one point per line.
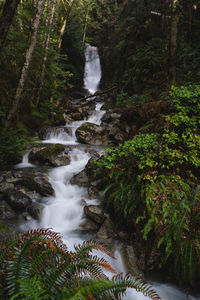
x=158 y=174
x=12 y=146
x=41 y=267
x=124 y=100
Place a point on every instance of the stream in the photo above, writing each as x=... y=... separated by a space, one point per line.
x=63 y=212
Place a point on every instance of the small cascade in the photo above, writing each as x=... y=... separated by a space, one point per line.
x=63 y=212
x=97 y=115
x=92 y=75
x=60 y=136
x=25 y=162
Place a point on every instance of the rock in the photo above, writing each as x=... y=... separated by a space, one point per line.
x=77 y=116
x=25 y=216
x=153 y=260
x=95 y=213
x=52 y=156
x=6 y=212
x=91 y=169
x=34 y=195
x=38 y=183
x=35 y=210
x=18 y=200
x=89 y=225
x=80 y=179
x=57 y=119
x=83 y=202
x=123 y=235
x=110 y=116
x=106 y=230
x=6 y=186
x=93 y=192
x=92 y=134
x=98 y=184
x=131 y=263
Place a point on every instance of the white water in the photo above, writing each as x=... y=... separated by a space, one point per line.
x=25 y=162
x=61 y=137
x=92 y=74
x=64 y=213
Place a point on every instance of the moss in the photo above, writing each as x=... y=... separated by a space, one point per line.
x=87 y=126
x=52 y=150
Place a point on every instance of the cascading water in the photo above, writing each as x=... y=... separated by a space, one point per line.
x=25 y=162
x=64 y=212
x=92 y=74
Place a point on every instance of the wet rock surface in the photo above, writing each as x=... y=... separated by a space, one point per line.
x=52 y=155
x=95 y=213
x=35 y=210
x=107 y=230
x=6 y=212
x=92 y=134
x=18 y=200
x=80 y=179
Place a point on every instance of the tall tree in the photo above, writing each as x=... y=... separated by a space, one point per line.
x=49 y=22
x=64 y=18
x=174 y=35
x=28 y=58
x=7 y=14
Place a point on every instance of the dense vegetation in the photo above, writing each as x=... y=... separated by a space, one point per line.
x=153 y=184
x=150 y=55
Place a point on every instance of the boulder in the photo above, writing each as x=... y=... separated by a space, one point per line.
x=111 y=118
x=35 y=210
x=51 y=155
x=6 y=212
x=116 y=135
x=92 y=134
x=6 y=186
x=34 y=196
x=91 y=168
x=93 y=192
x=95 y=213
x=18 y=200
x=57 y=119
x=77 y=116
x=89 y=225
x=131 y=263
x=80 y=179
x=38 y=183
x=106 y=230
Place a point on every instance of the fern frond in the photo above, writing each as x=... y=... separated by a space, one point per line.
x=88 y=246
x=31 y=289
x=108 y=289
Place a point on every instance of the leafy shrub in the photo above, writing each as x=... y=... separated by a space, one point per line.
x=157 y=174
x=124 y=100
x=12 y=146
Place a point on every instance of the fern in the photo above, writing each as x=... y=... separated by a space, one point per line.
x=31 y=289
x=40 y=267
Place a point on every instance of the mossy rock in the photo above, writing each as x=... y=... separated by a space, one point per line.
x=51 y=155
x=92 y=134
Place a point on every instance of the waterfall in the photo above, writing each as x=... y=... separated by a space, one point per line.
x=64 y=211
x=92 y=75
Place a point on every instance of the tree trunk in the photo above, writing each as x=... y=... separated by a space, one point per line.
x=174 y=35
x=86 y=23
x=7 y=14
x=25 y=68
x=64 y=20
x=49 y=22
